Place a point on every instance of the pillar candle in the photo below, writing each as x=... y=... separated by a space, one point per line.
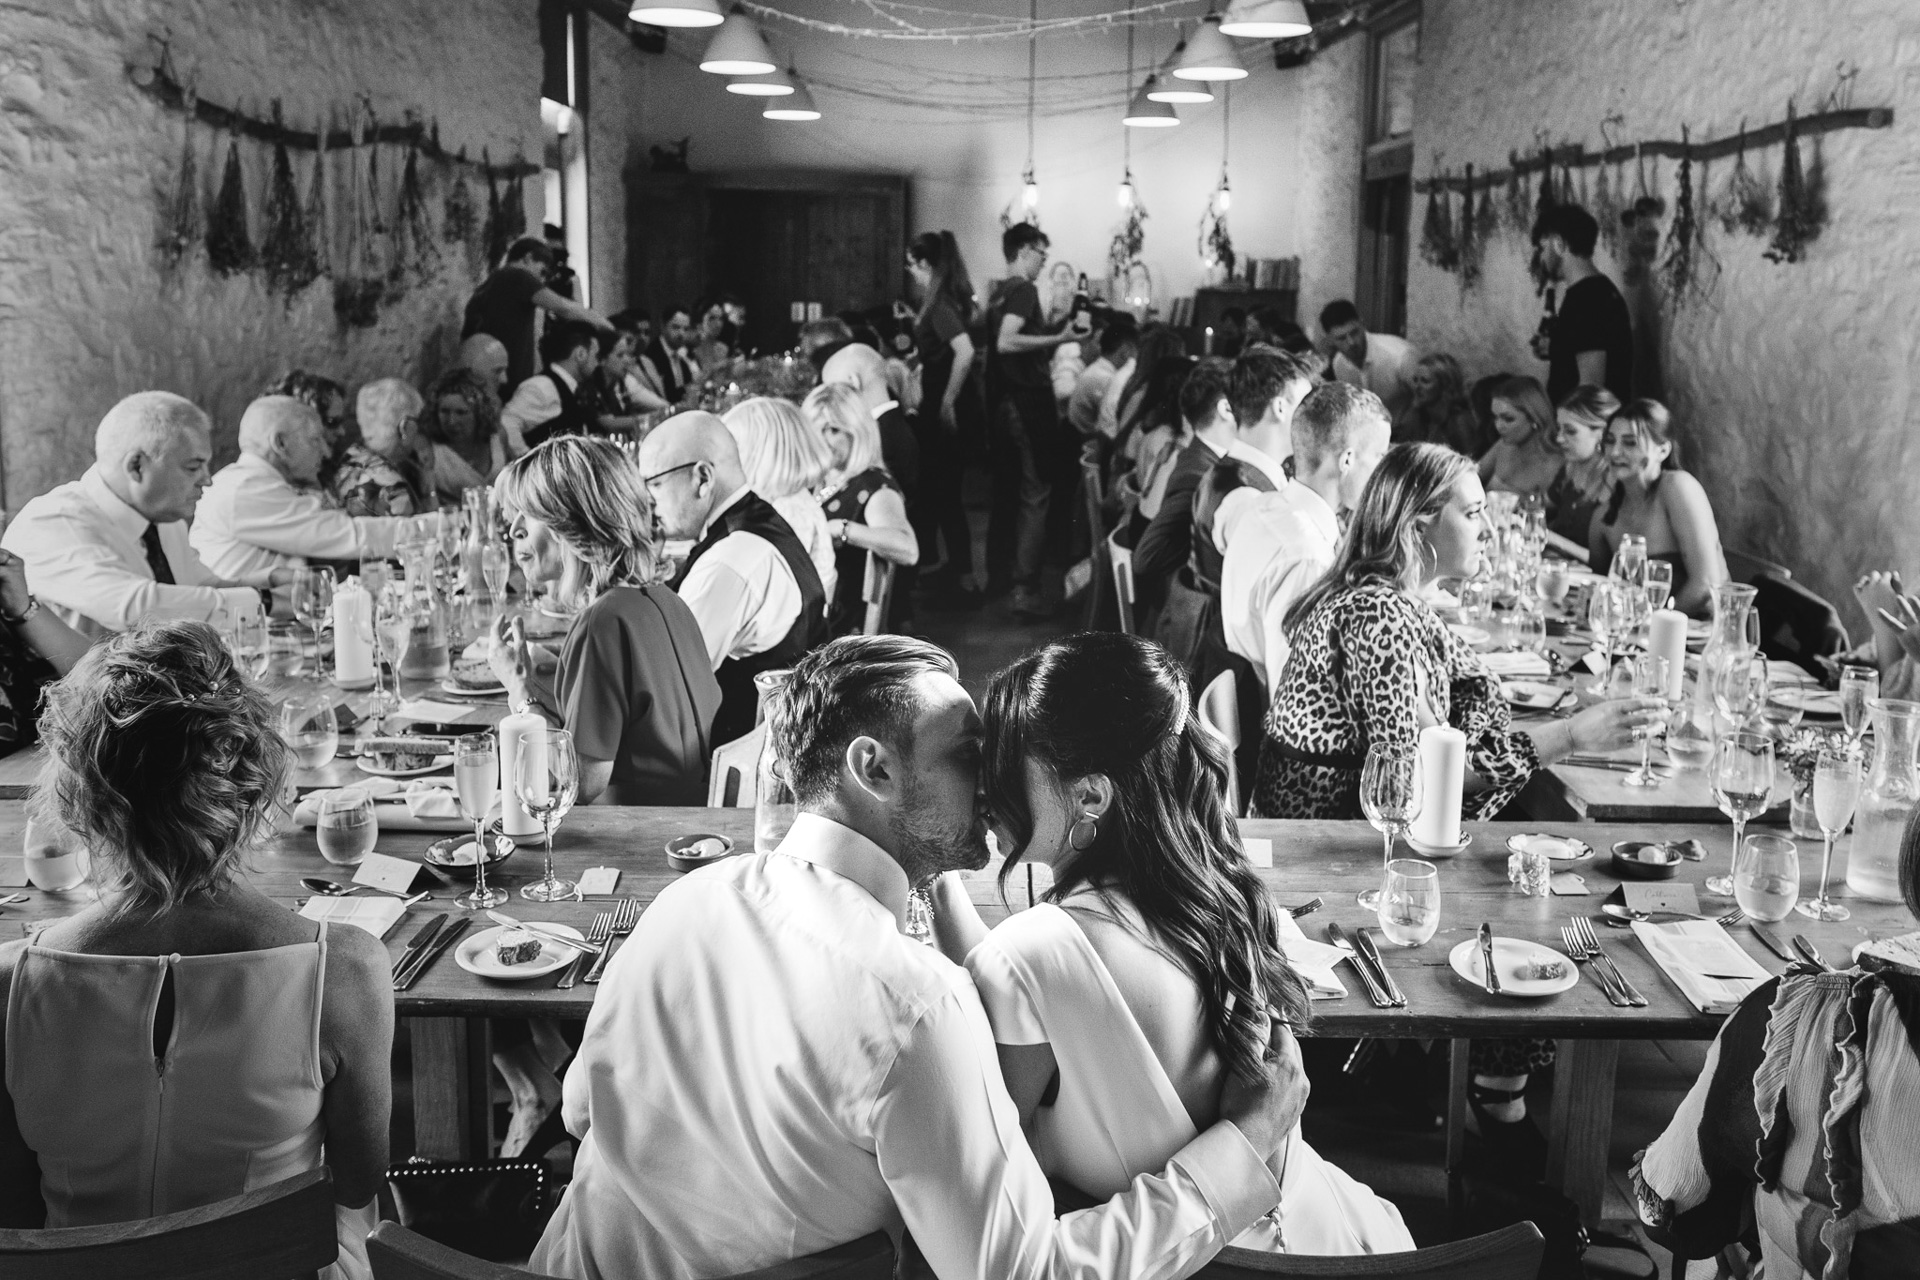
x=352 y=636
x=1443 y=769
x=1667 y=638
x=520 y=733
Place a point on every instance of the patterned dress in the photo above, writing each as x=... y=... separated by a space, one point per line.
x=368 y=485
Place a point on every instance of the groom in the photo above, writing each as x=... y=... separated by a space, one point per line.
x=773 y=1068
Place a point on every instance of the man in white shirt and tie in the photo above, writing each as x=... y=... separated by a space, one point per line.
x=1276 y=545
x=811 y=1074
x=1376 y=362
x=109 y=551
x=265 y=509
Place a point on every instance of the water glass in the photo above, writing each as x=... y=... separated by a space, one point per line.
x=1552 y=580
x=1836 y=790
x=1629 y=560
x=1527 y=629
x=1690 y=735
x=347 y=828
x=311 y=730
x=1390 y=796
x=56 y=858
x=1410 y=903
x=245 y=632
x=1766 y=877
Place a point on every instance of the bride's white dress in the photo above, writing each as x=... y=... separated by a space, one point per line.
x=1117 y=1113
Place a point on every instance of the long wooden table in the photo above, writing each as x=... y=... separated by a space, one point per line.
x=1333 y=860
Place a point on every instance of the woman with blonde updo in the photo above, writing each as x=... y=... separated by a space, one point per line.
x=864 y=507
x=786 y=461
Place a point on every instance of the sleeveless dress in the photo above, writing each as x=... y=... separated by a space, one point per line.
x=233 y=1105
x=848 y=501
x=1117 y=1114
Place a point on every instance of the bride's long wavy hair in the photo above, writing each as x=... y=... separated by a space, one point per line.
x=1112 y=704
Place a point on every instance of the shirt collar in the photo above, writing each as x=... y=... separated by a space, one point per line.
x=1245 y=452
x=255 y=463
x=123 y=518
x=884 y=407
x=557 y=371
x=834 y=847
x=1313 y=507
x=725 y=505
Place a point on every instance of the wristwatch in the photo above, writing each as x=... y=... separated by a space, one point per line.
x=33 y=607
x=266 y=600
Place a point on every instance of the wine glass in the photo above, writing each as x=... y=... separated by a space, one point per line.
x=1629 y=560
x=496 y=565
x=1858 y=687
x=393 y=627
x=347 y=827
x=1649 y=681
x=313 y=602
x=1635 y=612
x=308 y=724
x=246 y=636
x=1836 y=790
x=1390 y=797
x=1604 y=617
x=476 y=781
x=1741 y=777
x=546 y=782
x=1410 y=906
x=1657 y=581
x=1766 y=882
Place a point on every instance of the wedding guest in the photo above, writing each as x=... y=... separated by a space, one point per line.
x=1894 y=649
x=749 y=581
x=785 y=461
x=274 y=1033
x=1525 y=459
x=329 y=400
x=1096 y=769
x=1376 y=362
x=1126 y=397
x=110 y=550
x=462 y=421
x=1162 y=548
x=1591 y=338
x=940 y=335
x=1154 y=436
x=381 y=475
x=1371 y=662
x=820 y=338
x=36 y=647
x=862 y=368
x=635 y=395
x=830 y=1075
x=506 y=303
x=265 y=509
x=1585 y=480
x=1118 y=342
x=1439 y=411
x=485 y=356
x=1800 y=1132
x=710 y=348
x=665 y=367
x=1656 y=500
x=865 y=509
x=555 y=401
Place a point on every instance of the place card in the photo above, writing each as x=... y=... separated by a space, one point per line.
x=1674 y=896
x=383 y=871
x=1568 y=884
x=1259 y=850
x=438 y=712
x=599 y=881
x=13 y=873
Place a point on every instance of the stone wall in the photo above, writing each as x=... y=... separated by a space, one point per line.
x=1793 y=385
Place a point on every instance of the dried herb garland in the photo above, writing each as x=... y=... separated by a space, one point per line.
x=460 y=221
x=1124 y=249
x=286 y=254
x=357 y=290
x=1749 y=204
x=1606 y=210
x=496 y=230
x=1684 y=233
x=416 y=256
x=318 y=224
x=513 y=213
x=1793 y=228
x=1470 y=245
x=1439 y=246
x=229 y=245
x=1516 y=194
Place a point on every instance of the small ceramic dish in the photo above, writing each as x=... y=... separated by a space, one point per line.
x=1557 y=848
x=454 y=855
x=1646 y=860
x=1439 y=851
x=686 y=853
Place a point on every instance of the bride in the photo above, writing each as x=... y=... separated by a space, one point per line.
x=1151 y=971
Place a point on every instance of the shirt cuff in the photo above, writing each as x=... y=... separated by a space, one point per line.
x=1236 y=1182
x=241 y=601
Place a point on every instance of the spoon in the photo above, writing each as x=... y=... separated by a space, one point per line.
x=334 y=889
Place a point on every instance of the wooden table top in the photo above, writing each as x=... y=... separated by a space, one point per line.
x=1332 y=860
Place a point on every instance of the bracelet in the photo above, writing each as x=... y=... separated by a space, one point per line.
x=33 y=607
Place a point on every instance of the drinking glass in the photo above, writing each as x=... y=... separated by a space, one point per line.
x=246 y=636
x=308 y=724
x=347 y=827
x=1410 y=905
x=1527 y=628
x=313 y=602
x=1836 y=789
x=375 y=574
x=1690 y=735
x=1741 y=777
x=1629 y=560
x=1552 y=580
x=1766 y=880
x=1390 y=797
x=1649 y=681
x=1858 y=686
x=1604 y=617
x=393 y=628
x=1740 y=686
x=55 y=858
x=547 y=782
x=496 y=566
x=476 y=781
x=1635 y=613
x=1657 y=581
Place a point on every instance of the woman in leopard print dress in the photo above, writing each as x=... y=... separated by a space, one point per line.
x=1372 y=662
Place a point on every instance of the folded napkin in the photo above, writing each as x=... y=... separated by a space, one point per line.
x=1710 y=969
x=419 y=804
x=1313 y=961
x=1519 y=664
x=375 y=915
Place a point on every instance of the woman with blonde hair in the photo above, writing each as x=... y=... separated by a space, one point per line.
x=1525 y=459
x=1441 y=411
x=1585 y=479
x=462 y=420
x=1653 y=498
x=182 y=1038
x=786 y=461
x=864 y=507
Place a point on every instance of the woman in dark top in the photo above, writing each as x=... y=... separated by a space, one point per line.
x=1653 y=498
x=633 y=684
x=864 y=507
x=1441 y=412
x=1575 y=495
x=946 y=361
x=36 y=648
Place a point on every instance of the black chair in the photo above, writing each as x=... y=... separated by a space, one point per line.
x=400 y=1254
x=1795 y=624
x=1511 y=1253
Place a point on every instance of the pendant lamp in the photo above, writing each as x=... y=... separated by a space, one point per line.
x=676 y=13
x=769 y=86
x=1191 y=92
x=1146 y=112
x=737 y=48
x=796 y=106
x=1209 y=56
x=1267 y=19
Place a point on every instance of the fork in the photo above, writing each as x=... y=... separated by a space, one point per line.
x=1594 y=953
x=1571 y=940
x=625 y=916
x=14 y=898
x=601 y=932
x=1732 y=918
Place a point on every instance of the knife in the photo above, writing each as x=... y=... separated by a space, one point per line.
x=419 y=940
x=1808 y=951
x=1359 y=963
x=1490 y=977
x=1772 y=943
x=447 y=937
x=544 y=934
x=1365 y=939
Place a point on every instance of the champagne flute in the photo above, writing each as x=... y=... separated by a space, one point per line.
x=1657 y=580
x=1390 y=797
x=246 y=634
x=1836 y=790
x=1649 y=681
x=393 y=626
x=1858 y=687
x=476 y=780
x=1741 y=777
x=546 y=782
x=496 y=566
x=1603 y=616
x=313 y=602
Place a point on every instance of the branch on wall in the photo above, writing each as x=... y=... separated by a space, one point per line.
x=1574 y=155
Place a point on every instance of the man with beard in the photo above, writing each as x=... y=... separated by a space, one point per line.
x=1590 y=341
x=773 y=1067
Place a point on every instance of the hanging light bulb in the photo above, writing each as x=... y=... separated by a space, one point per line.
x=796 y=106
x=1148 y=113
x=676 y=13
x=1126 y=194
x=1209 y=56
x=1030 y=194
x=771 y=86
x=1225 y=200
x=1267 y=19
x=737 y=48
x=1191 y=92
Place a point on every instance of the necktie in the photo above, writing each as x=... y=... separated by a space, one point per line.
x=157 y=555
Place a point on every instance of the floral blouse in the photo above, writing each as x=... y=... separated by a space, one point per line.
x=368 y=485
x=1359 y=664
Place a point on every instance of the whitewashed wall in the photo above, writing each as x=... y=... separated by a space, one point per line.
x=1793 y=384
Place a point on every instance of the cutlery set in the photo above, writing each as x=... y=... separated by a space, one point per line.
x=1365 y=958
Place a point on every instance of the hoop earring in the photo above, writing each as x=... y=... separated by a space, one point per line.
x=1091 y=827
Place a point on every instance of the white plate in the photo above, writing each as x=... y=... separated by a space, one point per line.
x=475 y=954
x=366 y=765
x=463 y=691
x=1532 y=694
x=1558 y=848
x=1510 y=957
x=1472 y=635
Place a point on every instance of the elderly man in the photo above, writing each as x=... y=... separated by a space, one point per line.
x=814 y=1074
x=263 y=511
x=110 y=550
x=749 y=580
x=383 y=475
x=865 y=370
x=486 y=355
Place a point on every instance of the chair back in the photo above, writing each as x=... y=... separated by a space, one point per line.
x=733 y=781
x=1744 y=567
x=276 y=1233
x=400 y=1254
x=1511 y=1253
x=1121 y=560
x=1093 y=489
x=1220 y=715
x=876 y=589
x=1797 y=625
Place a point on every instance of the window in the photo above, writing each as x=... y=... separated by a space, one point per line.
x=563 y=164
x=1386 y=190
